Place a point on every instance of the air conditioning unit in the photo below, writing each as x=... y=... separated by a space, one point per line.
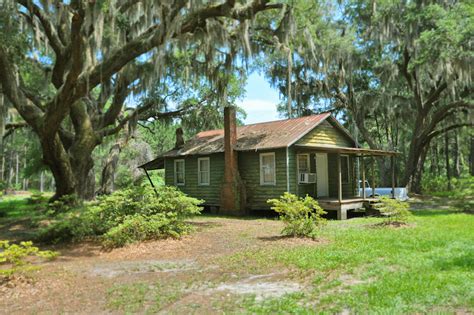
x=307 y=178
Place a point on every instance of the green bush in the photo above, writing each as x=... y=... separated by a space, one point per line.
x=126 y=216
x=13 y=258
x=37 y=198
x=394 y=210
x=63 y=205
x=139 y=227
x=302 y=216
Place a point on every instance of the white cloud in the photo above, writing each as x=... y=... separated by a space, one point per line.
x=259 y=110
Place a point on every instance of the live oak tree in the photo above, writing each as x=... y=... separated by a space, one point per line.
x=428 y=45
x=403 y=69
x=94 y=54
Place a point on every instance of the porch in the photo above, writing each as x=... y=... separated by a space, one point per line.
x=345 y=194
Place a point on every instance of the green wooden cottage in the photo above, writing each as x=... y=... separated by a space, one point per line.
x=237 y=169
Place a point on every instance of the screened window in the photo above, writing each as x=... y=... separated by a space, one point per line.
x=267 y=169
x=203 y=171
x=179 y=172
x=303 y=164
x=345 y=168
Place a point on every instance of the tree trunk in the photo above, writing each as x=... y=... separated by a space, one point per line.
x=58 y=162
x=471 y=157
x=108 y=172
x=446 y=156
x=2 y=173
x=42 y=181
x=434 y=159
x=25 y=184
x=456 y=155
x=72 y=170
x=415 y=163
x=17 y=170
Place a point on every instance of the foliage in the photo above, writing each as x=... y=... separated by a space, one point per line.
x=141 y=227
x=37 y=198
x=461 y=193
x=15 y=257
x=302 y=216
x=64 y=204
x=395 y=211
x=127 y=216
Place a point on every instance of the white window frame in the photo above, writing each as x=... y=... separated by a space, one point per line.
x=348 y=169
x=208 y=171
x=298 y=164
x=262 y=183
x=175 y=173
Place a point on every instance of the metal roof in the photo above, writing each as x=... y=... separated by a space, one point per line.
x=345 y=150
x=254 y=137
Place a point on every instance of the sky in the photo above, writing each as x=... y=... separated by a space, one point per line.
x=260 y=101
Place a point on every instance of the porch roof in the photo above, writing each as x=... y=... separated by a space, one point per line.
x=348 y=150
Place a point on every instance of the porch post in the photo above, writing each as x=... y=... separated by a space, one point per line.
x=339 y=178
x=363 y=177
x=392 y=162
x=341 y=213
x=373 y=177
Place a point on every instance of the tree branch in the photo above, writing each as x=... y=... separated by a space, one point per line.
x=30 y=113
x=11 y=127
x=432 y=97
x=48 y=27
x=438 y=132
x=443 y=112
x=153 y=37
x=59 y=107
x=136 y=114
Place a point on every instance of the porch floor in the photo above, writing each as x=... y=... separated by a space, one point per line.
x=331 y=200
x=350 y=203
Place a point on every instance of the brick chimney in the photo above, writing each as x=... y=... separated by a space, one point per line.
x=179 y=138
x=232 y=192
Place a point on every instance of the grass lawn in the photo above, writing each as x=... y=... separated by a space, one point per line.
x=425 y=267
x=356 y=266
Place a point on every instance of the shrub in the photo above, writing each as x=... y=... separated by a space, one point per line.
x=63 y=205
x=14 y=257
x=394 y=210
x=139 y=227
x=37 y=198
x=127 y=216
x=302 y=216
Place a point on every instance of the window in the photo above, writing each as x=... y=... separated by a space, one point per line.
x=179 y=172
x=303 y=165
x=203 y=171
x=345 y=169
x=267 y=169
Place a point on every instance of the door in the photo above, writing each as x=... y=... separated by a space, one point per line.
x=322 y=175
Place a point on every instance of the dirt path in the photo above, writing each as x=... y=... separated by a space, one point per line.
x=170 y=276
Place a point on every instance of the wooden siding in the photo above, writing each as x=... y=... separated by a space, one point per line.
x=249 y=167
x=210 y=193
x=293 y=176
x=348 y=189
x=326 y=134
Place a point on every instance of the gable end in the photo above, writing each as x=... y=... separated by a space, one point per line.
x=327 y=133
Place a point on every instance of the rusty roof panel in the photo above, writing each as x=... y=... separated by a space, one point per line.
x=261 y=136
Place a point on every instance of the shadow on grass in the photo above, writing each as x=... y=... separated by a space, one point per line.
x=465 y=262
x=275 y=238
x=433 y=213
